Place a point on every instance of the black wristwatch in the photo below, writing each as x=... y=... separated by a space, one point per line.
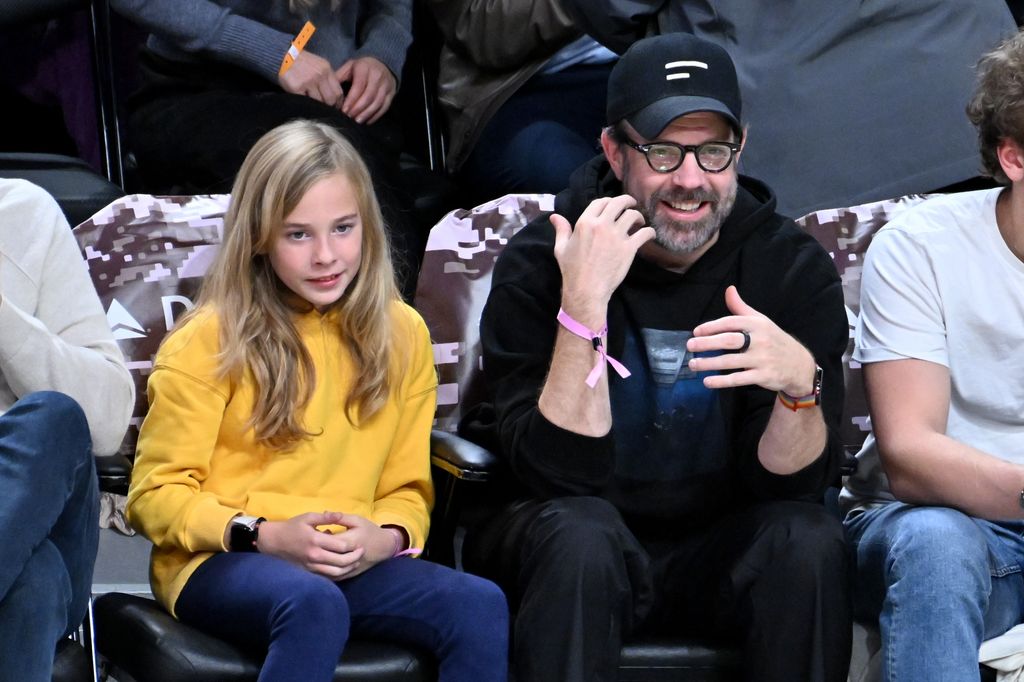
x=245 y=530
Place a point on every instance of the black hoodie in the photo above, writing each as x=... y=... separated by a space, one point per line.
x=677 y=453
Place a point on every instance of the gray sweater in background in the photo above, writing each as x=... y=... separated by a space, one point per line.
x=255 y=34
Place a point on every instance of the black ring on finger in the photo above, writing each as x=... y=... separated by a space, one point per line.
x=746 y=342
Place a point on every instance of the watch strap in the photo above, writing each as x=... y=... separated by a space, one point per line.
x=812 y=399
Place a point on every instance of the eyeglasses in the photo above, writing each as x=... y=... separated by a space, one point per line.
x=665 y=157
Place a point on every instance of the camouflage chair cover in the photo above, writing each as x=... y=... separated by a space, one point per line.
x=846 y=233
x=146 y=256
x=454 y=281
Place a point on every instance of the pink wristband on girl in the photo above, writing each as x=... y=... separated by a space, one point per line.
x=584 y=332
x=399 y=541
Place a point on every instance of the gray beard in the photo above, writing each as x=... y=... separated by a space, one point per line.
x=686 y=237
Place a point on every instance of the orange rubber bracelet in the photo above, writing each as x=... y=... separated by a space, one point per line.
x=296 y=47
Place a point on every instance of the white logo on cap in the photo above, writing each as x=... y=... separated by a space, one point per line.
x=682 y=65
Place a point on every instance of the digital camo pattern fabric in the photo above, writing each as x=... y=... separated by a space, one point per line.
x=846 y=234
x=146 y=256
x=454 y=281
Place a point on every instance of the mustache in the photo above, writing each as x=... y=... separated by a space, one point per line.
x=680 y=195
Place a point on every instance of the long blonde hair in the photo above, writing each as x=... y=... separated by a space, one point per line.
x=255 y=313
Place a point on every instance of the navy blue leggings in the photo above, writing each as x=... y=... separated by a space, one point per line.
x=304 y=620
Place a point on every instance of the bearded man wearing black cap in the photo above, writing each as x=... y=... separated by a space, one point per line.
x=664 y=356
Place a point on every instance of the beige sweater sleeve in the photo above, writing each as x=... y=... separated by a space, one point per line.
x=53 y=331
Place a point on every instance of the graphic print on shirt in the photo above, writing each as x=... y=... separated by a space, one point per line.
x=668 y=425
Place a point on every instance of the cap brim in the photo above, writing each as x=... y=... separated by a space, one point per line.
x=653 y=118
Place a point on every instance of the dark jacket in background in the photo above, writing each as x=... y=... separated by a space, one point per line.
x=491 y=49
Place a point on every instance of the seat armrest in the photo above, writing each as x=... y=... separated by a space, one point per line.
x=114 y=473
x=461 y=458
x=849 y=464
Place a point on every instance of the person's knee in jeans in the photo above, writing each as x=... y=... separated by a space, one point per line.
x=56 y=422
x=939 y=552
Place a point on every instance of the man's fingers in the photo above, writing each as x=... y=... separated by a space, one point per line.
x=563 y=230
x=730 y=323
x=745 y=378
x=736 y=304
x=643 y=235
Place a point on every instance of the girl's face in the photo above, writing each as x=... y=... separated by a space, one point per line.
x=317 y=251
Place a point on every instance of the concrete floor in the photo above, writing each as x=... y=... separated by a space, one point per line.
x=122 y=564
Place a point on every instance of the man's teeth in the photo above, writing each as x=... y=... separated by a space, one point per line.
x=685 y=205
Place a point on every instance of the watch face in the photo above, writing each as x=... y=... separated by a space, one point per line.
x=244 y=533
x=247 y=521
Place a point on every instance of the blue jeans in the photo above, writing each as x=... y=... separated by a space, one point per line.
x=939 y=582
x=49 y=530
x=541 y=134
x=303 y=620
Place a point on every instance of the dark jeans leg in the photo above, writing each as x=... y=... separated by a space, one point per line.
x=303 y=620
x=775 y=576
x=577 y=580
x=260 y=602
x=49 y=530
x=461 y=618
x=541 y=134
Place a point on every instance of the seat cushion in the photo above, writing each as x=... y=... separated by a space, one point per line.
x=140 y=638
x=71 y=663
x=79 y=190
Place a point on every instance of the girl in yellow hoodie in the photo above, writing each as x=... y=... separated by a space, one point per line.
x=282 y=471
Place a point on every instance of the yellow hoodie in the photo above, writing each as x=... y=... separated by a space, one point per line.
x=197 y=464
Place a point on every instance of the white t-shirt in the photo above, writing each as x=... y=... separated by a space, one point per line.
x=940 y=284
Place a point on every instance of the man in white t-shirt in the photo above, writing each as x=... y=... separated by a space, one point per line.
x=934 y=512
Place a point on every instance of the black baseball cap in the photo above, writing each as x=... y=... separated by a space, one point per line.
x=659 y=79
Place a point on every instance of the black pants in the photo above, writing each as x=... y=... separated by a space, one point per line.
x=772 y=577
x=191 y=127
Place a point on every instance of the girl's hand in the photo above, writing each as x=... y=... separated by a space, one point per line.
x=297 y=540
x=378 y=544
